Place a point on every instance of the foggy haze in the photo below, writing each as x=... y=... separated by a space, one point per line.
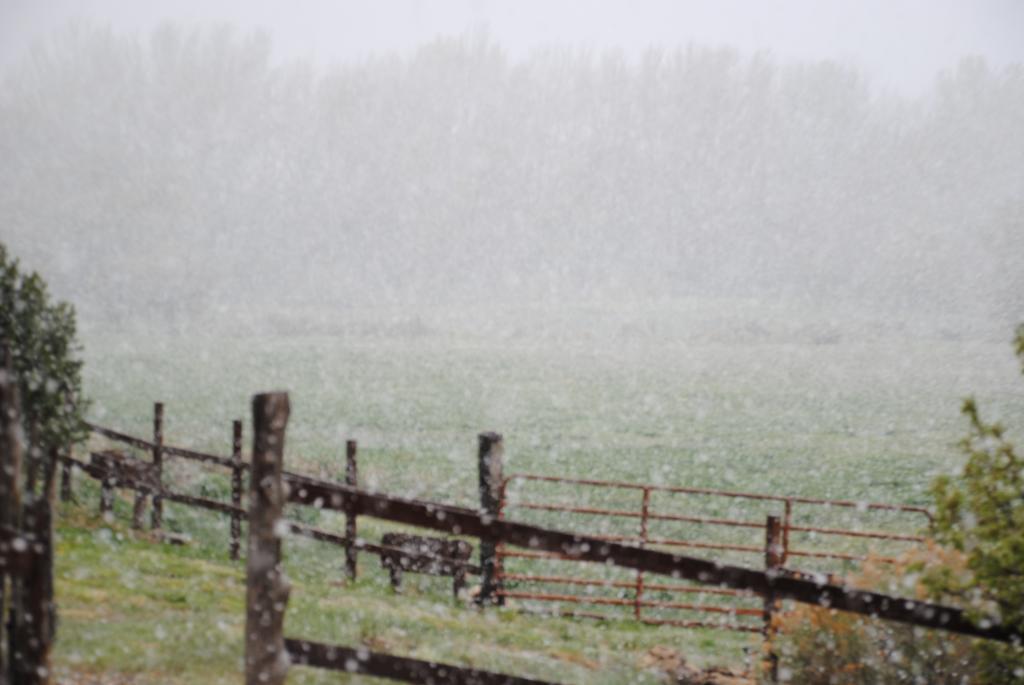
x=899 y=45
x=710 y=281
x=186 y=176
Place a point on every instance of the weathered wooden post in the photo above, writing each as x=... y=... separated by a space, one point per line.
x=34 y=621
x=236 y=487
x=25 y=649
x=11 y=440
x=773 y=551
x=11 y=443
x=157 y=520
x=352 y=479
x=490 y=464
x=267 y=588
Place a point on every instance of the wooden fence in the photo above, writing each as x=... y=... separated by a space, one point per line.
x=26 y=552
x=268 y=653
x=131 y=473
x=157 y=489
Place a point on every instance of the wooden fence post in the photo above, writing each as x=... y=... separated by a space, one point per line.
x=267 y=588
x=490 y=465
x=11 y=440
x=11 y=444
x=34 y=620
x=27 y=618
x=236 y=487
x=773 y=551
x=157 y=520
x=352 y=479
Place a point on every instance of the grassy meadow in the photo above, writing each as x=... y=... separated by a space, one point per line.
x=870 y=418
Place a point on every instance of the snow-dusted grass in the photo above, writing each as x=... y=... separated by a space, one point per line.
x=861 y=421
x=140 y=612
x=856 y=421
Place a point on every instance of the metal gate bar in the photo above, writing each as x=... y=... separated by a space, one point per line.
x=643 y=538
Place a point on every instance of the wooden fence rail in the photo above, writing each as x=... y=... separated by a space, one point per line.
x=768 y=584
x=234 y=464
x=103 y=474
x=374 y=548
x=235 y=509
x=403 y=669
x=168 y=450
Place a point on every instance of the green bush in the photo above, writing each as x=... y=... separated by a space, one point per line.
x=980 y=566
x=981 y=514
x=40 y=336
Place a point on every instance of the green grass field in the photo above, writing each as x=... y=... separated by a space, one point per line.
x=862 y=421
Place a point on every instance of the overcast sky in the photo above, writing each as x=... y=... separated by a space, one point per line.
x=900 y=43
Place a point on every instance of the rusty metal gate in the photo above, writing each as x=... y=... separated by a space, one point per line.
x=825 y=535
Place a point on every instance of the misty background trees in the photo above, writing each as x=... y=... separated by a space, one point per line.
x=186 y=176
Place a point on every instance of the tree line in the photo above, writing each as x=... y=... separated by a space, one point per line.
x=172 y=175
